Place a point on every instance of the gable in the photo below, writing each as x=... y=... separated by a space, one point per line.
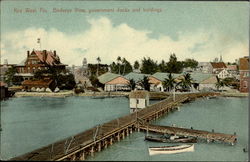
x=118 y=80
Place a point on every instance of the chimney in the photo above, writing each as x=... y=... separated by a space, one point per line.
x=28 y=53
x=55 y=53
x=44 y=55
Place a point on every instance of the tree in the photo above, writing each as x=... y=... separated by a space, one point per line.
x=149 y=66
x=163 y=66
x=169 y=82
x=186 y=82
x=174 y=66
x=190 y=63
x=220 y=83
x=136 y=65
x=98 y=60
x=145 y=83
x=124 y=62
x=11 y=78
x=118 y=62
x=132 y=84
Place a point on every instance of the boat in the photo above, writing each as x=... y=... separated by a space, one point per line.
x=172 y=139
x=171 y=149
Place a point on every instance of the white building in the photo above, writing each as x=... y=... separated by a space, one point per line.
x=138 y=100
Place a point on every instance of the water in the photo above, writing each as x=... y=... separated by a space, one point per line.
x=225 y=115
x=32 y=122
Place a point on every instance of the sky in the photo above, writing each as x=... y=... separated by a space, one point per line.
x=198 y=30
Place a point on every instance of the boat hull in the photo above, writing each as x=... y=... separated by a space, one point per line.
x=171 y=150
x=165 y=140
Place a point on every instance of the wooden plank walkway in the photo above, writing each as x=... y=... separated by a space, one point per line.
x=211 y=136
x=102 y=135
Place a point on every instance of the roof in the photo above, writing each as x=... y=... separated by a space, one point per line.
x=218 y=65
x=106 y=77
x=139 y=94
x=135 y=76
x=232 y=67
x=162 y=76
x=24 y=74
x=210 y=80
x=199 y=77
x=2 y=84
x=244 y=63
x=37 y=82
x=50 y=58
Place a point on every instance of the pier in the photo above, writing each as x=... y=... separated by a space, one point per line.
x=201 y=134
x=93 y=140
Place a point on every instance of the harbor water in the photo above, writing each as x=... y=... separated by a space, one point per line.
x=29 y=123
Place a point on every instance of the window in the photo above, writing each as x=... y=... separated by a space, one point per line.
x=245 y=84
x=137 y=101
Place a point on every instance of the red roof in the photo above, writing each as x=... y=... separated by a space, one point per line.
x=2 y=84
x=36 y=82
x=232 y=67
x=48 y=57
x=218 y=65
x=244 y=63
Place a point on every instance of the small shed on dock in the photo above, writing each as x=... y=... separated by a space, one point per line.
x=138 y=100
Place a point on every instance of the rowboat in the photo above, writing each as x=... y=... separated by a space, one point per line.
x=170 y=149
x=172 y=139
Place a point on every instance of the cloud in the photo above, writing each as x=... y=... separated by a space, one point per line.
x=108 y=41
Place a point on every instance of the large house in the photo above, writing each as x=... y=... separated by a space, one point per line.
x=137 y=77
x=218 y=67
x=244 y=74
x=39 y=60
x=114 y=82
x=204 y=67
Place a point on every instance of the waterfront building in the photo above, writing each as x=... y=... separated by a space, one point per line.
x=41 y=85
x=218 y=67
x=202 y=81
x=137 y=77
x=4 y=68
x=204 y=67
x=138 y=100
x=114 y=82
x=244 y=74
x=156 y=80
x=39 y=60
x=223 y=73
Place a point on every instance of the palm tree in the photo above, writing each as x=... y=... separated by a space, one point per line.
x=169 y=82
x=98 y=60
x=220 y=83
x=124 y=61
x=118 y=62
x=145 y=83
x=132 y=84
x=186 y=82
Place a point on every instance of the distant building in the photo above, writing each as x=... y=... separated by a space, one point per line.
x=114 y=82
x=223 y=73
x=233 y=70
x=202 y=81
x=138 y=100
x=204 y=67
x=42 y=85
x=4 y=68
x=137 y=77
x=244 y=74
x=218 y=66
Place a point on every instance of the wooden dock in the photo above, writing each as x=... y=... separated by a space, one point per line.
x=200 y=134
x=93 y=140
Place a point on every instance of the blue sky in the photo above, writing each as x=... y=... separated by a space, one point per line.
x=199 y=30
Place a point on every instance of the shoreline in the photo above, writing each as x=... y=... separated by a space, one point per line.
x=107 y=94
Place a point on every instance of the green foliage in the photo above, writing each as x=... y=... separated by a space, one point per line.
x=163 y=66
x=66 y=81
x=95 y=82
x=185 y=83
x=102 y=68
x=145 y=83
x=125 y=66
x=169 y=82
x=174 y=66
x=149 y=66
x=10 y=78
x=132 y=84
x=220 y=83
x=190 y=63
x=136 y=65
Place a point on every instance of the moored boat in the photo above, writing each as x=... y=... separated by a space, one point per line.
x=170 y=149
x=172 y=139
